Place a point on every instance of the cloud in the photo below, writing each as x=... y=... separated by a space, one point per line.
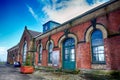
x=32 y=12
x=62 y=11
x=3 y=53
x=3 y=50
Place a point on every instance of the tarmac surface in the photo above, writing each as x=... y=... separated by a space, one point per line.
x=11 y=73
x=8 y=72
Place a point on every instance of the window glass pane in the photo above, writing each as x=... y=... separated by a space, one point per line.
x=101 y=48
x=97 y=45
x=94 y=57
x=97 y=42
x=101 y=57
x=72 y=54
x=94 y=49
x=50 y=48
x=24 y=51
x=97 y=38
x=50 y=57
x=69 y=42
x=40 y=49
x=40 y=54
x=66 y=54
x=102 y=52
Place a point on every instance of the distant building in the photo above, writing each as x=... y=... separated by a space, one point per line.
x=13 y=54
x=89 y=41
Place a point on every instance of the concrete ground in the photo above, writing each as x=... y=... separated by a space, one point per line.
x=11 y=73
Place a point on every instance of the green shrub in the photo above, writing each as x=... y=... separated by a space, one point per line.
x=28 y=61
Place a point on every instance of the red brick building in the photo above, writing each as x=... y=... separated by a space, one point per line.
x=26 y=45
x=13 y=54
x=89 y=41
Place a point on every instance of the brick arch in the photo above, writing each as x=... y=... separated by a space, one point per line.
x=90 y=30
x=48 y=43
x=69 y=36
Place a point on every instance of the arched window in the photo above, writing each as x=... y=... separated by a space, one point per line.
x=40 y=54
x=24 y=52
x=97 y=45
x=50 y=50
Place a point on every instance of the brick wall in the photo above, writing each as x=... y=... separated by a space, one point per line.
x=45 y=58
x=112 y=50
x=114 y=22
x=83 y=56
x=111 y=22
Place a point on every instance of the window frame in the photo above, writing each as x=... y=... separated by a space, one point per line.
x=97 y=53
x=40 y=53
x=50 y=50
x=24 y=52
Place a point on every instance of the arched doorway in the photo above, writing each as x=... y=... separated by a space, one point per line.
x=68 y=58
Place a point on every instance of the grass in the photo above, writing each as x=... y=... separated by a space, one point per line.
x=87 y=75
x=57 y=70
x=102 y=75
x=2 y=62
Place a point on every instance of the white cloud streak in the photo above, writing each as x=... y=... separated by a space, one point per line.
x=32 y=13
x=67 y=9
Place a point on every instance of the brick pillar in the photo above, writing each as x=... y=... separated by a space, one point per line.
x=83 y=56
x=45 y=58
x=112 y=51
x=36 y=58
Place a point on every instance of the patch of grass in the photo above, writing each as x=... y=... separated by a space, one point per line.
x=102 y=75
x=71 y=71
x=2 y=62
x=57 y=70
x=47 y=69
x=115 y=74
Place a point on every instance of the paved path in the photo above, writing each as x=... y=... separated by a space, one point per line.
x=11 y=73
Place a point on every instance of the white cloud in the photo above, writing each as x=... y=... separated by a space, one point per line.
x=3 y=50
x=3 y=53
x=32 y=13
x=66 y=10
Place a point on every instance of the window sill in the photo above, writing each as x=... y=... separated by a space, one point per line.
x=49 y=64
x=39 y=64
x=98 y=66
x=98 y=62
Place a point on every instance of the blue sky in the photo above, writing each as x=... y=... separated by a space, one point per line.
x=15 y=14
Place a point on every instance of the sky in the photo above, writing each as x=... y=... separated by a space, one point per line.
x=16 y=14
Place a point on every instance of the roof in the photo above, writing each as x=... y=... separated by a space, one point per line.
x=14 y=47
x=51 y=21
x=34 y=33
